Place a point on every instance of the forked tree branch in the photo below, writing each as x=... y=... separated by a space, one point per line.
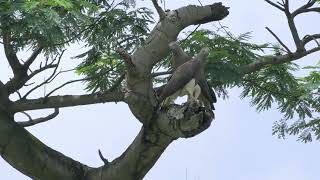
x=305 y=8
x=279 y=40
x=140 y=94
x=151 y=141
x=18 y=82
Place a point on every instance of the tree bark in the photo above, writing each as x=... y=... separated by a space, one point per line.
x=140 y=95
x=33 y=158
x=160 y=127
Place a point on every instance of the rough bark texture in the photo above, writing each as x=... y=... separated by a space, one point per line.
x=160 y=126
x=33 y=158
x=140 y=93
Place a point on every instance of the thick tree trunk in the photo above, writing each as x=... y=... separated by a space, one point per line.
x=160 y=127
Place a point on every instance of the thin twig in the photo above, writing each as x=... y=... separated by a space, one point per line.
x=105 y=161
x=279 y=40
x=46 y=81
x=32 y=122
x=73 y=81
x=275 y=5
x=191 y=33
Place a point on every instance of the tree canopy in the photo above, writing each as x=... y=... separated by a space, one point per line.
x=125 y=60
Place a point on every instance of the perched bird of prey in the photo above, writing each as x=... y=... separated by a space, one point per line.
x=188 y=78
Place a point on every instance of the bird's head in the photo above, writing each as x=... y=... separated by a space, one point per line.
x=203 y=54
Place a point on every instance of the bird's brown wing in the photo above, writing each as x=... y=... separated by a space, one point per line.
x=181 y=76
x=206 y=90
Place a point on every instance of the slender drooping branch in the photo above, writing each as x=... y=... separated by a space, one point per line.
x=32 y=122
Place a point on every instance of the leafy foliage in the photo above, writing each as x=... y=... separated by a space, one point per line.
x=46 y=23
x=308 y=125
x=114 y=28
x=275 y=85
x=103 y=26
x=227 y=54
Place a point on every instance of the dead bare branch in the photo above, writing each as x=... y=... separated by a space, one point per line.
x=279 y=40
x=74 y=81
x=32 y=122
x=105 y=161
x=275 y=5
x=306 y=39
x=33 y=56
x=46 y=81
x=305 y=8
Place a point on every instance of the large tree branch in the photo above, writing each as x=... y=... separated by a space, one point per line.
x=65 y=101
x=178 y=121
x=140 y=95
x=274 y=60
x=33 y=158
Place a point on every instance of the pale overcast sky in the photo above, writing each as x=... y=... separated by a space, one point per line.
x=237 y=146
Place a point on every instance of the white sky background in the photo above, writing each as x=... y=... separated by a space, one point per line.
x=237 y=146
